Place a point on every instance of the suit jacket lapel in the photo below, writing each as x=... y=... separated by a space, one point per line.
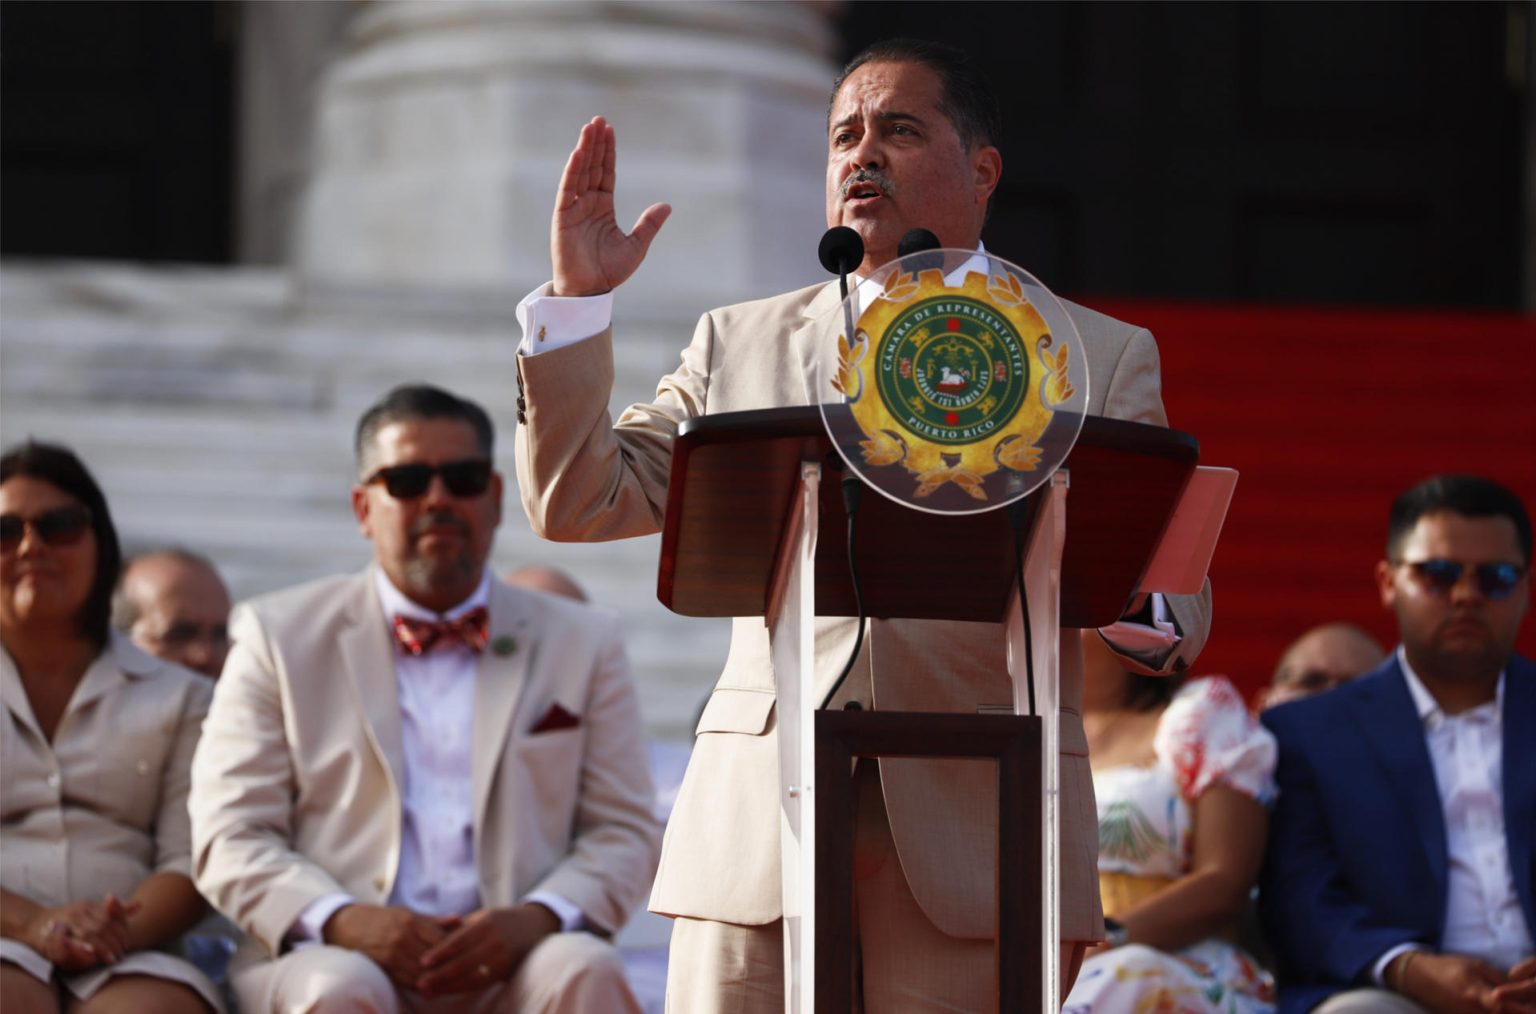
x=823 y=323
x=366 y=653
x=499 y=682
x=1385 y=713
x=1520 y=779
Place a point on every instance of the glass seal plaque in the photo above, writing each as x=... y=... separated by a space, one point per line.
x=956 y=382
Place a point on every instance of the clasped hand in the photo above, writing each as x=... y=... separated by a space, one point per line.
x=442 y=954
x=1454 y=983
x=83 y=934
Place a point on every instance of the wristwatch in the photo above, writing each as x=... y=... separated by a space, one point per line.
x=1114 y=933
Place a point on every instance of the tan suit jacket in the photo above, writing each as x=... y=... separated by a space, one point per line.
x=583 y=477
x=296 y=786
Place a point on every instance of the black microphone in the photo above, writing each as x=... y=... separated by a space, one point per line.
x=841 y=250
x=917 y=241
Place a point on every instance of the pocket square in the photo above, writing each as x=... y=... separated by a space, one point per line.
x=554 y=719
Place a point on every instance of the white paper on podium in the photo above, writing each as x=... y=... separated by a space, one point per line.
x=1184 y=553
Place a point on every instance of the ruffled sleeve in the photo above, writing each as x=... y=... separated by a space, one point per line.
x=1207 y=737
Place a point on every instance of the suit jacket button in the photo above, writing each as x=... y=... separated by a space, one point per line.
x=378 y=883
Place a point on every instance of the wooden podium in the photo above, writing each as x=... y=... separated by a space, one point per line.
x=745 y=503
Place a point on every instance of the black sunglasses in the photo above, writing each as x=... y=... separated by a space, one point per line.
x=468 y=477
x=62 y=526
x=1496 y=580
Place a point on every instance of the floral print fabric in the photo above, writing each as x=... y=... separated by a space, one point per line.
x=1205 y=737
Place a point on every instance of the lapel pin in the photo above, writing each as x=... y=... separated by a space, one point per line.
x=504 y=645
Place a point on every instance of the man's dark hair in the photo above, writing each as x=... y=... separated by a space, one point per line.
x=59 y=467
x=967 y=100
x=1468 y=495
x=410 y=402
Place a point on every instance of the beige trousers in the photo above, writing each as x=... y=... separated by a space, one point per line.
x=1367 y=1001
x=568 y=973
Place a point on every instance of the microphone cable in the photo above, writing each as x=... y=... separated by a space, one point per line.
x=840 y=251
x=853 y=490
x=1018 y=518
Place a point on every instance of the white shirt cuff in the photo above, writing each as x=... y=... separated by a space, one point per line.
x=569 y=915
x=1379 y=970
x=309 y=927
x=1140 y=639
x=551 y=322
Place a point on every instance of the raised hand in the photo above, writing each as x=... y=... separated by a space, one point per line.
x=591 y=254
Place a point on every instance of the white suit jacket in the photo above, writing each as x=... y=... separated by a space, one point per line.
x=584 y=477
x=296 y=785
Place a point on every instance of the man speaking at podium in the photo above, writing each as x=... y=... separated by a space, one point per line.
x=909 y=144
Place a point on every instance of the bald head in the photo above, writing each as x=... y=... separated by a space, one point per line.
x=173 y=604
x=1321 y=659
x=546 y=579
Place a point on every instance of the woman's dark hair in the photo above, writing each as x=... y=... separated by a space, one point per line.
x=58 y=466
x=1149 y=693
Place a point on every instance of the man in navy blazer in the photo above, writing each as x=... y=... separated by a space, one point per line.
x=1401 y=856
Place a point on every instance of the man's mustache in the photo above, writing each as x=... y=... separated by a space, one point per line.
x=875 y=176
x=439 y=519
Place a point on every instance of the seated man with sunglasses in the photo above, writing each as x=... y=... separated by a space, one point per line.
x=420 y=788
x=1402 y=853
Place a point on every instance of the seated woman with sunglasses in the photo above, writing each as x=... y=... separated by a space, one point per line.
x=98 y=739
x=1182 y=774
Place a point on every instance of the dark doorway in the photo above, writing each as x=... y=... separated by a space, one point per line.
x=118 y=130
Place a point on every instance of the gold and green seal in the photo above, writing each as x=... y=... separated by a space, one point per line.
x=952 y=382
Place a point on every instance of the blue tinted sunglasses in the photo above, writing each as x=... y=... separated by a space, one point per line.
x=1496 y=580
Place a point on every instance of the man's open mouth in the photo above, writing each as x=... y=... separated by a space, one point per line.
x=865 y=186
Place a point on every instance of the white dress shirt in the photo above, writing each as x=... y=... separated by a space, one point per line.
x=1482 y=911
x=437 y=874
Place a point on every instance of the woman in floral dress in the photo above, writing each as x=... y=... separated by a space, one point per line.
x=1183 y=776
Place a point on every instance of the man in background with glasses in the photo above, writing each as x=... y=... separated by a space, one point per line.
x=420 y=788
x=1402 y=852
x=1319 y=660
x=173 y=604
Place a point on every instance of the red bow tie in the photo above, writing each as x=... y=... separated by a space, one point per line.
x=417 y=637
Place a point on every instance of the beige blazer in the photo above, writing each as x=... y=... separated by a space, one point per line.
x=583 y=477
x=104 y=806
x=296 y=787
